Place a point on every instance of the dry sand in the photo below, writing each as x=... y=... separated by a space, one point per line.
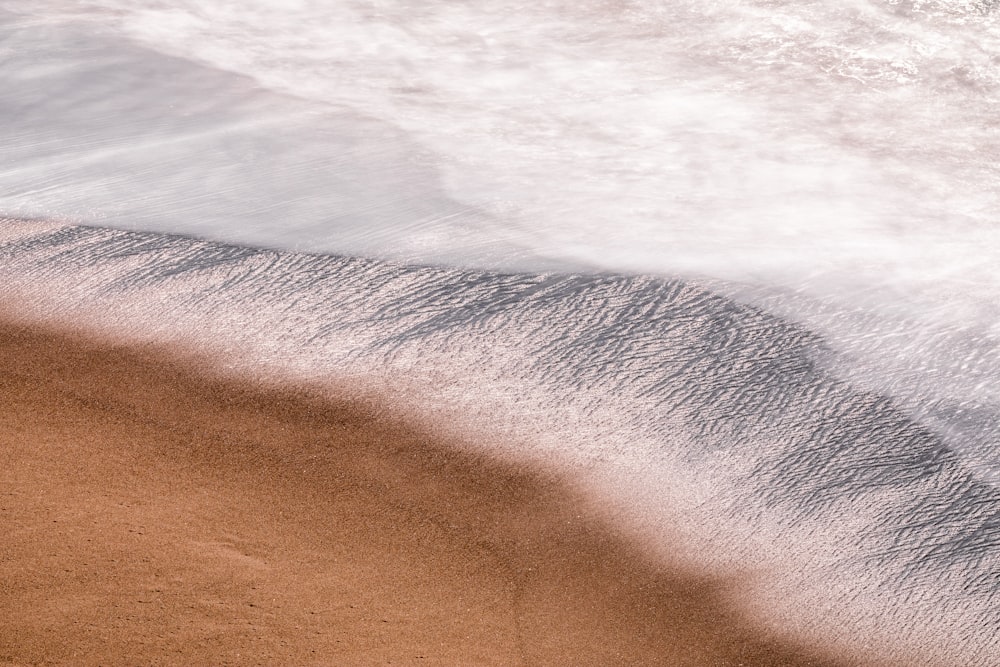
x=153 y=515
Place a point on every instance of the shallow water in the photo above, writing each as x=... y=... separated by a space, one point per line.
x=823 y=177
x=704 y=428
x=838 y=165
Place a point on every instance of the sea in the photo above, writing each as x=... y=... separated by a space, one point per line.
x=734 y=264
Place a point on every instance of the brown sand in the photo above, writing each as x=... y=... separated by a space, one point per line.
x=151 y=515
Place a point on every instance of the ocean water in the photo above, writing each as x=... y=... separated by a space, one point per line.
x=789 y=210
x=838 y=163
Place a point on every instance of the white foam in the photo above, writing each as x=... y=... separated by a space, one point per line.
x=800 y=143
x=805 y=144
x=845 y=152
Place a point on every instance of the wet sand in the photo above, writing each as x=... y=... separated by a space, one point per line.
x=153 y=514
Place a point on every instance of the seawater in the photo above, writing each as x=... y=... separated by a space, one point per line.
x=838 y=164
x=739 y=255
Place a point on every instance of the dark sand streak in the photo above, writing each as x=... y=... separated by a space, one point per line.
x=154 y=515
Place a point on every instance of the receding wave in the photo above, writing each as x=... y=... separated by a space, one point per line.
x=669 y=403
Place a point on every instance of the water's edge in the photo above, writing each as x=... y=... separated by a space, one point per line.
x=654 y=393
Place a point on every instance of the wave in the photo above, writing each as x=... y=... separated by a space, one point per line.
x=756 y=148
x=815 y=398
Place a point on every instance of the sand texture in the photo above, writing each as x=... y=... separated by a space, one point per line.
x=153 y=515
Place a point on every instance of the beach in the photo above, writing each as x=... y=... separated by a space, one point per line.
x=496 y=333
x=156 y=514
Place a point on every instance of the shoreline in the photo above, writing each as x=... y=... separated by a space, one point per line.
x=161 y=515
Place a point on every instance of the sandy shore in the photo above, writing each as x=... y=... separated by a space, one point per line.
x=153 y=515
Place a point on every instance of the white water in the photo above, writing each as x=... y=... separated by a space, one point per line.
x=847 y=153
x=836 y=163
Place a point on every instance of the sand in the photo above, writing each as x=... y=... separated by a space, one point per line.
x=153 y=514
